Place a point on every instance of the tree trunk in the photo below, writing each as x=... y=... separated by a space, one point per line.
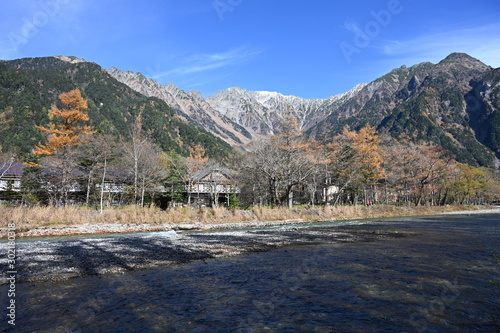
x=143 y=190
x=89 y=181
x=190 y=185
x=103 y=182
x=136 y=172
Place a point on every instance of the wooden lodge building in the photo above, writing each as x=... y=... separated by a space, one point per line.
x=211 y=186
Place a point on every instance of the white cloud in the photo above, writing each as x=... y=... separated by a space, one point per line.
x=482 y=43
x=200 y=63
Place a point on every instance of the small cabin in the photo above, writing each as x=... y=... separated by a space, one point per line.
x=211 y=186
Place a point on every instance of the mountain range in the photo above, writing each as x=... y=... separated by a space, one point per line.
x=454 y=104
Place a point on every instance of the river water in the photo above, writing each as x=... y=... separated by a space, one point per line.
x=444 y=279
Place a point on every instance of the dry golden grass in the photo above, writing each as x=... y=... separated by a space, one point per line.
x=27 y=218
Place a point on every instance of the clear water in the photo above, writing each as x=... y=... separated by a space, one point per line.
x=445 y=279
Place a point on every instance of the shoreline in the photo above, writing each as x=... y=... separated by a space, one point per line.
x=98 y=229
x=495 y=210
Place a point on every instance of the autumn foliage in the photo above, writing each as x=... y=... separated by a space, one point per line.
x=67 y=131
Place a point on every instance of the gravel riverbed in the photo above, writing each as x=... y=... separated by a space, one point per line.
x=61 y=259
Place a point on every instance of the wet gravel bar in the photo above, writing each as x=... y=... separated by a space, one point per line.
x=61 y=259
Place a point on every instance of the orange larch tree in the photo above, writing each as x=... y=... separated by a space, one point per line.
x=67 y=132
x=356 y=160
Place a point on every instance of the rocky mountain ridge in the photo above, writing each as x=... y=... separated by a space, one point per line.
x=234 y=114
x=190 y=106
x=262 y=111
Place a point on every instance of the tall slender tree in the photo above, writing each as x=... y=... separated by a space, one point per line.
x=94 y=159
x=143 y=158
x=134 y=151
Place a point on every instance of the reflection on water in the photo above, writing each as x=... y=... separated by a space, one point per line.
x=441 y=280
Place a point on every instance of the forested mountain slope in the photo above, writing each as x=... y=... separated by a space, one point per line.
x=29 y=87
x=454 y=104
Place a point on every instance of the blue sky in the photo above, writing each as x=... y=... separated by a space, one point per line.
x=311 y=49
